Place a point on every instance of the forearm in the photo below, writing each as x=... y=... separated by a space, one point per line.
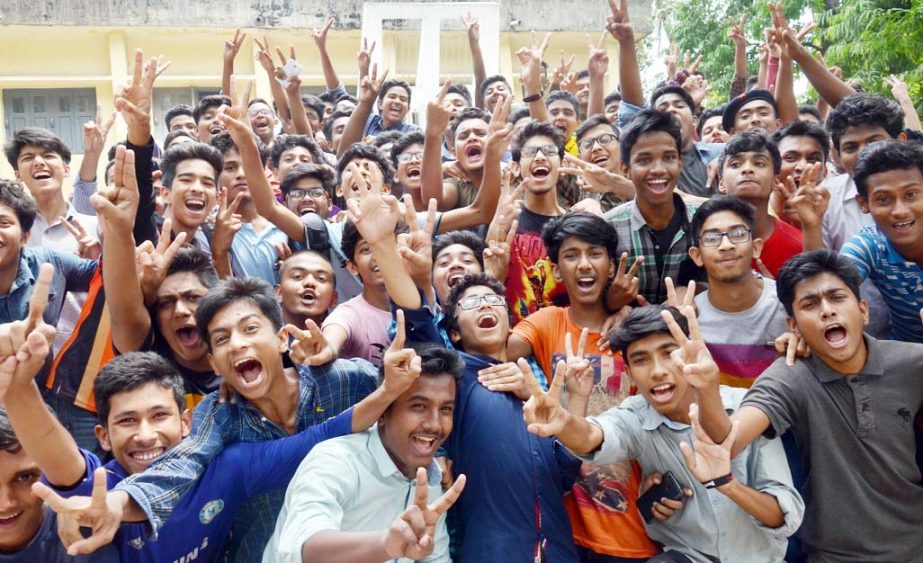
x=124 y=298
x=144 y=228
x=335 y=546
x=480 y=71
x=911 y=117
x=131 y=512
x=714 y=418
x=762 y=506
x=629 y=74
x=596 y=103
x=88 y=166
x=813 y=237
x=580 y=436
x=279 y=97
x=299 y=114
x=482 y=209
x=578 y=405
x=222 y=261
x=227 y=70
x=537 y=109
x=400 y=285
x=369 y=410
x=331 y=80
x=762 y=74
x=828 y=86
x=352 y=133
x=740 y=59
x=785 y=92
x=431 y=170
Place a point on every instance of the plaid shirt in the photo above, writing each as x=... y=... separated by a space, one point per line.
x=324 y=392
x=636 y=238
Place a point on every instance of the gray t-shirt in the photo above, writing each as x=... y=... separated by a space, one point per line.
x=856 y=435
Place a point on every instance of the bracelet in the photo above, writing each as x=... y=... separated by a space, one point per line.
x=719 y=481
x=533 y=98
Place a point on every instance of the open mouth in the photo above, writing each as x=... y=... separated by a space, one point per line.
x=540 y=171
x=560 y=126
x=425 y=444
x=188 y=336
x=146 y=456
x=9 y=521
x=307 y=207
x=586 y=283
x=836 y=336
x=473 y=152
x=600 y=160
x=488 y=320
x=248 y=370
x=663 y=393
x=904 y=227
x=216 y=128
x=308 y=296
x=658 y=186
x=42 y=175
x=414 y=172
x=455 y=278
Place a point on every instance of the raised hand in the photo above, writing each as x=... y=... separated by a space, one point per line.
x=364 y=57
x=134 y=102
x=96 y=131
x=236 y=118
x=791 y=345
x=15 y=336
x=691 y=64
x=152 y=262
x=375 y=215
x=500 y=133
x=626 y=283
x=563 y=69
x=618 y=23
x=320 y=35
x=898 y=87
x=697 y=87
x=671 y=60
x=674 y=299
x=370 y=85
x=117 y=205
x=543 y=412
x=705 y=459
x=401 y=365
x=737 y=33
x=501 y=233
x=473 y=27
x=531 y=60
x=597 y=58
x=416 y=247
x=437 y=115
x=810 y=200
x=88 y=246
x=692 y=356
x=309 y=347
x=578 y=372
x=264 y=55
x=412 y=534
x=232 y=47
x=227 y=223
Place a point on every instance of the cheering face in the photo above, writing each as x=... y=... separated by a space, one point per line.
x=798 y=153
x=291 y=158
x=308 y=196
x=855 y=139
x=563 y=117
x=262 y=120
x=654 y=166
x=209 y=125
x=21 y=511
x=336 y=131
x=713 y=131
x=355 y=183
x=232 y=177
x=418 y=422
x=585 y=270
x=758 y=114
x=470 y=140
x=177 y=300
x=583 y=91
x=306 y=288
x=495 y=92
x=183 y=123
x=452 y=264
x=410 y=167
x=540 y=160
x=41 y=170
x=830 y=319
x=364 y=265
x=895 y=201
x=193 y=193
x=749 y=176
x=730 y=260
x=658 y=378
x=483 y=319
x=246 y=349
x=675 y=104
x=612 y=111
x=454 y=103
x=12 y=239
x=600 y=146
x=395 y=105
x=143 y=424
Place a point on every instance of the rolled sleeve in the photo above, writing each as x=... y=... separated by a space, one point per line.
x=771 y=475
x=621 y=437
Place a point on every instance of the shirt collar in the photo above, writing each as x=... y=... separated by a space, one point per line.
x=386 y=466
x=637 y=220
x=24 y=276
x=874 y=363
x=652 y=419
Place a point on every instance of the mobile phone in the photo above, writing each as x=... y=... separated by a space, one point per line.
x=669 y=488
x=291 y=68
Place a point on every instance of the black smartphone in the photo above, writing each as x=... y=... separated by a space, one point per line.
x=669 y=488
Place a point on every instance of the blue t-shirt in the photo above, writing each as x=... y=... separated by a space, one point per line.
x=46 y=547
x=199 y=526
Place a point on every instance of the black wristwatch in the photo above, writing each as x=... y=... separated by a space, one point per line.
x=718 y=481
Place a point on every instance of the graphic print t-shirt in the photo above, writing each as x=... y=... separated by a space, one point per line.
x=530 y=284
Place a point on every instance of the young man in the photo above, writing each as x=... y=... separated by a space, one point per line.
x=564 y=112
x=469 y=130
x=709 y=126
x=263 y=120
x=494 y=89
x=611 y=103
x=754 y=109
x=601 y=505
x=855 y=391
x=190 y=186
x=749 y=170
x=455 y=255
x=306 y=288
x=745 y=509
x=655 y=225
x=289 y=151
x=334 y=125
x=350 y=498
x=180 y=118
x=206 y=116
x=725 y=247
x=393 y=106
x=801 y=144
x=406 y=156
x=598 y=143
x=308 y=188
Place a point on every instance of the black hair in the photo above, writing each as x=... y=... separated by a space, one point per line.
x=232 y=290
x=15 y=196
x=176 y=111
x=807 y=265
x=717 y=204
x=803 y=129
x=461 y=90
x=208 y=102
x=36 y=137
x=327 y=97
x=404 y=141
x=563 y=95
x=648 y=121
x=641 y=323
x=810 y=109
x=581 y=74
x=537 y=129
x=750 y=141
x=314 y=103
x=321 y=255
x=679 y=91
x=133 y=370
x=288 y=142
x=384 y=138
x=349 y=240
x=450 y=320
x=614 y=96
x=224 y=143
x=589 y=228
x=322 y=172
x=436 y=360
x=465 y=115
x=885 y=156
x=708 y=114
x=490 y=80
x=331 y=119
x=865 y=109
x=259 y=101
x=173 y=135
x=8 y=440
x=518 y=114
x=363 y=150
x=392 y=83
x=595 y=121
x=195 y=261
x=464 y=238
x=188 y=151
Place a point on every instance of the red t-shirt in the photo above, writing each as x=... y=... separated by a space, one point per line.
x=784 y=242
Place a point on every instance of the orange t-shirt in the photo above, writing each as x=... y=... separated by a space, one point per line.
x=602 y=503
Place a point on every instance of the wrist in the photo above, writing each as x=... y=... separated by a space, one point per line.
x=724 y=483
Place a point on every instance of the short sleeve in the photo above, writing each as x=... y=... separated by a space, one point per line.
x=859 y=251
x=626 y=112
x=343 y=316
x=776 y=393
x=622 y=438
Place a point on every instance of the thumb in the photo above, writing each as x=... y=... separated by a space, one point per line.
x=688 y=455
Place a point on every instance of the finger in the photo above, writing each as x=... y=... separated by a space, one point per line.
x=51 y=498
x=792 y=350
x=421 y=495
x=531 y=383
x=661 y=512
x=675 y=330
x=448 y=498
x=296 y=333
x=234 y=204
x=139 y=64
x=689 y=312
x=581 y=344
x=39 y=299
x=688 y=455
x=764 y=271
x=671 y=292
x=281 y=55
x=444 y=90
x=400 y=334
x=557 y=384
x=429 y=224
x=100 y=487
x=602 y=41
x=545 y=43
x=639 y=261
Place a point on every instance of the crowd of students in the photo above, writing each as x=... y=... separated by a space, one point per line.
x=577 y=326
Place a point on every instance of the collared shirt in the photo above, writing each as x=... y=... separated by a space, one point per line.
x=71 y=273
x=81 y=196
x=254 y=253
x=375 y=126
x=513 y=503
x=349 y=484
x=635 y=238
x=710 y=526
x=859 y=450
x=900 y=281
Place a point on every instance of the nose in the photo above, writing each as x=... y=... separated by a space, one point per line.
x=900 y=209
x=8 y=501
x=725 y=241
x=661 y=367
x=584 y=262
x=430 y=422
x=826 y=309
x=182 y=309
x=146 y=433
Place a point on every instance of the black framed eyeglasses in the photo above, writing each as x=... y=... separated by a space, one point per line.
x=406 y=157
x=737 y=235
x=604 y=140
x=475 y=301
x=313 y=193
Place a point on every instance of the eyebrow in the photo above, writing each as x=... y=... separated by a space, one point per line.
x=135 y=412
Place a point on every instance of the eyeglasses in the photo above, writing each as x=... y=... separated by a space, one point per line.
x=475 y=301
x=547 y=150
x=406 y=157
x=604 y=140
x=738 y=235
x=259 y=112
x=313 y=193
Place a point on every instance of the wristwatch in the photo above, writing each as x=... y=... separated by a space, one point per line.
x=718 y=481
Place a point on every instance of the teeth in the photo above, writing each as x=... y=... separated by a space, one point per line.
x=10 y=517
x=148 y=456
x=660 y=388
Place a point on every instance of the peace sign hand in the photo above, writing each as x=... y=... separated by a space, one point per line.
x=227 y=223
x=737 y=33
x=416 y=247
x=412 y=534
x=543 y=412
x=625 y=286
x=153 y=262
x=578 y=372
x=320 y=35
x=232 y=47
x=437 y=115
x=618 y=23
x=692 y=356
x=310 y=347
x=88 y=246
x=96 y=131
x=371 y=85
x=402 y=366
x=25 y=344
x=675 y=299
x=810 y=200
x=117 y=205
x=134 y=102
x=705 y=459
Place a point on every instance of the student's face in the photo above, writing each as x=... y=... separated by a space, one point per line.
x=41 y=170
x=291 y=158
x=727 y=262
x=395 y=105
x=418 y=422
x=454 y=103
x=262 y=120
x=895 y=201
x=193 y=193
x=183 y=123
x=336 y=131
x=246 y=350
x=470 y=139
x=713 y=131
x=409 y=171
x=494 y=92
x=352 y=188
x=857 y=138
x=177 y=300
x=543 y=166
x=306 y=288
x=676 y=105
x=328 y=109
x=653 y=167
x=450 y=266
x=798 y=153
x=758 y=114
x=612 y=111
x=21 y=511
x=232 y=176
x=304 y=197
x=829 y=318
x=142 y=425
x=209 y=125
x=585 y=270
x=749 y=175
x=583 y=91
x=485 y=326
x=364 y=265
x=563 y=117
x=12 y=239
x=656 y=375
x=606 y=156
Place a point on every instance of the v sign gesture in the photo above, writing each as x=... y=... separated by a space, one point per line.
x=543 y=412
x=413 y=532
x=692 y=356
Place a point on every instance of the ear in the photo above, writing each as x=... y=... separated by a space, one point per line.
x=863 y=204
x=386 y=189
x=339 y=190
x=612 y=268
x=334 y=301
x=721 y=188
x=902 y=136
x=454 y=336
x=864 y=309
x=351 y=268
x=757 y=247
x=792 y=325
x=278 y=291
x=515 y=169
x=186 y=422
x=282 y=339
x=696 y=256
x=211 y=362
x=16 y=172
x=103 y=436
x=626 y=170
x=556 y=273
